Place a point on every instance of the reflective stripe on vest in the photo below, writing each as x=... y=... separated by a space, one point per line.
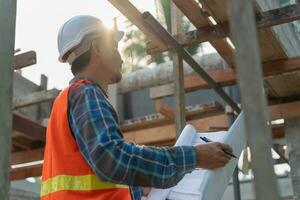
x=77 y=183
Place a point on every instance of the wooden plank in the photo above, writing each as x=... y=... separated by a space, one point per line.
x=25 y=172
x=263 y=20
x=253 y=97
x=285 y=110
x=226 y=77
x=201 y=111
x=35 y=98
x=22 y=157
x=194 y=82
x=164 y=109
x=154 y=26
x=29 y=128
x=25 y=59
x=7 y=42
x=287 y=85
x=23 y=143
x=151 y=136
x=195 y=14
x=271 y=48
x=166 y=138
x=33 y=155
x=278 y=16
x=159 y=135
x=134 y=15
x=278 y=132
x=178 y=74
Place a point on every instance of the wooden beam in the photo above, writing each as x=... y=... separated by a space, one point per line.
x=25 y=172
x=205 y=34
x=194 y=82
x=263 y=20
x=29 y=128
x=134 y=15
x=23 y=143
x=278 y=16
x=226 y=77
x=35 y=98
x=201 y=111
x=178 y=74
x=195 y=14
x=22 y=157
x=270 y=47
x=278 y=132
x=33 y=155
x=25 y=59
x=166 y=137
x=158 y=134
x=164 y=109
x=285 y=110
x=164 y=133
x=7 y=42
x=154 y=26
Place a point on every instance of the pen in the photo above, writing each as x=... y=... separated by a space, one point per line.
x=205 y=139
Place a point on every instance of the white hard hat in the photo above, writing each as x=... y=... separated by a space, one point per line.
x=72 y=33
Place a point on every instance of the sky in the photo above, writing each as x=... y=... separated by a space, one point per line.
x=38 y=22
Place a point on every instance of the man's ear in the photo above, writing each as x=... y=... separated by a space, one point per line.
x=96 y=48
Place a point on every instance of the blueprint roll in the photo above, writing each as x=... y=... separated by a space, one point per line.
x=186 y=138
x=204 y=184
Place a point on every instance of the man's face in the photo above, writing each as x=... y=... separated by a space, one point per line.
x=111 y=57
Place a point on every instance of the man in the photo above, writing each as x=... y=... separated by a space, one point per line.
x=85 y=155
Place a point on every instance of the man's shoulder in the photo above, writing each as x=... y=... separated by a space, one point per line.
x=80 y=89
x=80 y=86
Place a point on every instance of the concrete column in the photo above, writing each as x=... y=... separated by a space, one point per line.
x=7 y=43
x=292 y=131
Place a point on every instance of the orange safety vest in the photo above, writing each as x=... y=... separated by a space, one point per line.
x=66 y=175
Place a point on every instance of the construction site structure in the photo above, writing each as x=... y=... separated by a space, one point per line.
x=263 y=61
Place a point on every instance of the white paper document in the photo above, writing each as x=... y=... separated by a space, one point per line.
x=205 y=184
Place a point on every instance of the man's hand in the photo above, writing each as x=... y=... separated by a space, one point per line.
x=212 y=155
x=146 y=191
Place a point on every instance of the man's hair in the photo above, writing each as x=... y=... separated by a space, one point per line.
x=81 y=62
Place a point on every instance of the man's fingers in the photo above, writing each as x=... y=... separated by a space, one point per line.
x=224 y=161
x=226 y=147
x=225 y=155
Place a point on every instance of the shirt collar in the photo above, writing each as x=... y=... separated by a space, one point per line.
x=77 y=78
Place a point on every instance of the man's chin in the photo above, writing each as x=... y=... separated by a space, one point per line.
x=116 y=79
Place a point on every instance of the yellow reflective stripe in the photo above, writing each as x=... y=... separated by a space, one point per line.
x=67 y=182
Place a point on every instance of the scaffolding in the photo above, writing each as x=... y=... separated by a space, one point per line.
x=245 y=63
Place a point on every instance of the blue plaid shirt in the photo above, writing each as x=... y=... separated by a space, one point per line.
x=96 y=129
